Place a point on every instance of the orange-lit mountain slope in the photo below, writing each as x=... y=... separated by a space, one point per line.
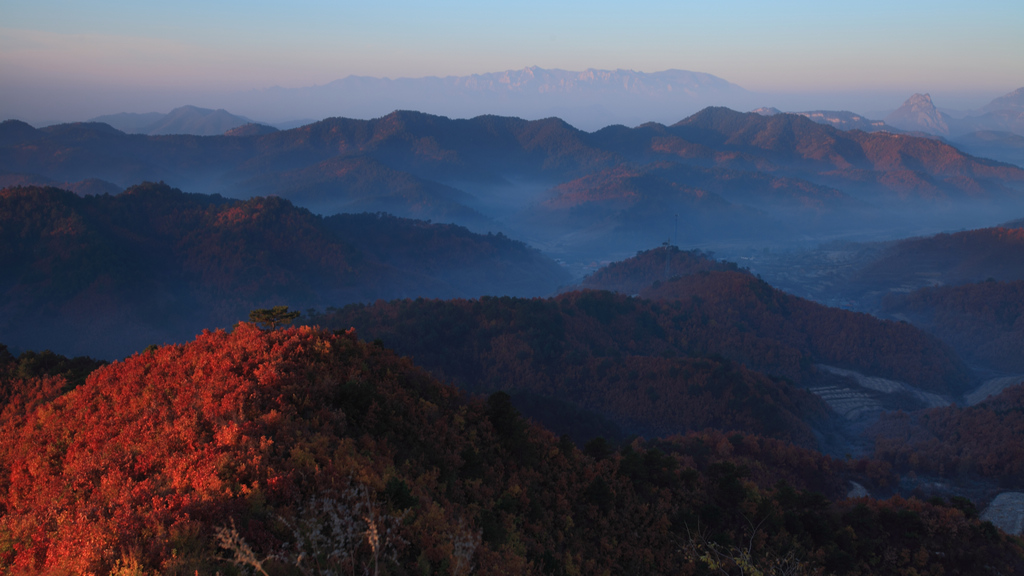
x=304 y=449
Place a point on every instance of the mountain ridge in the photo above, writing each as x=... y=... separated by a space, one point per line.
x=191 y=120
x=588 y=99
x=112 y=274
x=784 y=174
x=918 y=113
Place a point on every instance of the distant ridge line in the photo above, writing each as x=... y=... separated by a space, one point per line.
x=589 y=99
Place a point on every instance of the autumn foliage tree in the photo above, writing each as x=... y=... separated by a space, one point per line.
x=246 y=445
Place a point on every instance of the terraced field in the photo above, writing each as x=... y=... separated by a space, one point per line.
x=849 y=403
x=992 y=387
x=929 y=399
x=857 y=397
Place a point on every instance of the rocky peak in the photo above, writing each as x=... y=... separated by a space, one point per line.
x=918 y=113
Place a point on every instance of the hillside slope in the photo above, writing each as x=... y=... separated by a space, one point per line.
x=784 y=176
x=614 y=356
x=307 y=450
x=105 y=275
x=983 y=322
x=946 y=259
x=693 y=351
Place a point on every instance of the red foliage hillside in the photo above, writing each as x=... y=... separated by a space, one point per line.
x=175 y=441
x=182 y=459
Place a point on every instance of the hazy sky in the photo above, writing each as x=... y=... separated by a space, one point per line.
x=160 y=47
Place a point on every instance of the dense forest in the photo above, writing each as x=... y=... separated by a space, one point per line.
x=632 y=275
x=985 y=440
x=716 y=310
x=948 y=259
x=558 y=348
x=717 y=348
x=305 y=451
x=983 y=322
x=108 y=275
x=751 y=309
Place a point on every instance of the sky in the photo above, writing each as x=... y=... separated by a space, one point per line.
x=60 y=58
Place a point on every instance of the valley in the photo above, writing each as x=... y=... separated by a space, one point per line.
x=719 y=180
x=511 y=289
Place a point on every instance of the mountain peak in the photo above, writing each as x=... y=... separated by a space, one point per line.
x=919 y=113
x=186 y=119
x=1012 y=101
x=920 y=100
x=14 y=131
x=589 y=99
x=191 y=109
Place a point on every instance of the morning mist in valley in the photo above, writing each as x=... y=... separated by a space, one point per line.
x=328 y=288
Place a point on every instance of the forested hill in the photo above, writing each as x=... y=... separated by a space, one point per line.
x=108 y=275
x=302 y=450
x=691 y=352
x=488 y=148
x=983 y=322
x=762 y=324
x=956 y=258
x=632 y=275
x=725 y=176
x=619 y=357
x=959 y=442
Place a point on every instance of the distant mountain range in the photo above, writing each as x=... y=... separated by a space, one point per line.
x=721 y=175
x=918 y=113
x=184 y=120
x=588 y=99
x=919 y=117
x=841 y=119
x=995 y=131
